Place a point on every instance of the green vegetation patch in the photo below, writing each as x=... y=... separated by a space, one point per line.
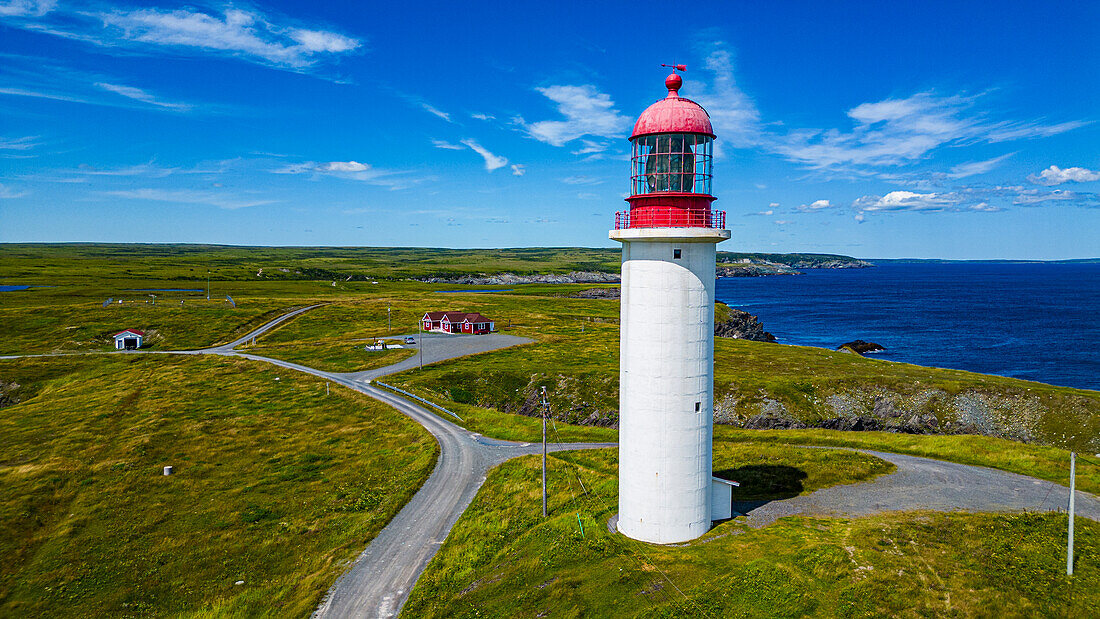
x=88 y=326
x=276 y=485
x=756 y=383
x=332 y=357
x=503 y=559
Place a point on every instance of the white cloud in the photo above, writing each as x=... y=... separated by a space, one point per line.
x=480 y=116
x=248 y=34
x=7 y=193
x=352 y=170
x=732 y=113
x=23 y=143
x=431 y=109
x=984 y=207
x=783 y=222
x=587 y=111
x=518 y=169
x=906 y=201
x=980 y=199
x=419 y=102
x=581 y=180
x=1017 y=131
x=447 y=145
x=589 y=146
x=321 y=41
x=492 y=162
x=39 y=94
x=587 y=196
x=895 y=132
x=26 y=8
x=767 y=213
x=187 y=197
x=1038 y=197
x=817 y=205
x=1056 y=176
x=344 y=166
x=148 y=170
x=976 y=167
x=138 y=94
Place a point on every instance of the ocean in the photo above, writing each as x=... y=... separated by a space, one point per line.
x=1031 y=321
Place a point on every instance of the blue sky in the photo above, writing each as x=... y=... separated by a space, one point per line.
x=952 y=130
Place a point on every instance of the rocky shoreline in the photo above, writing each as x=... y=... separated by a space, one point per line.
x=742 y=325
x=507 y=279
x=741 y=268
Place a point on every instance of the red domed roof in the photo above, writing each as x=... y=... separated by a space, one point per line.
x=673 y=114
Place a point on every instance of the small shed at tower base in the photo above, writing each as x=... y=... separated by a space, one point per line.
x=721 y=498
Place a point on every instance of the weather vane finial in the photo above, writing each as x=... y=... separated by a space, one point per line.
x=676 y=67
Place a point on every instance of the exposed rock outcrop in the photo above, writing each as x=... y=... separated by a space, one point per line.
x=574 y=277
x=754 y=269
x=832 y=264
x=742 y=325
x=8 y=393
x=860 y=347
x=597 y=293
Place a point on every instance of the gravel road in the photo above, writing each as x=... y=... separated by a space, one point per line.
x=921 y=483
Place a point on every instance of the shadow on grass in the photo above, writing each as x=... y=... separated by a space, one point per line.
x=761 y=483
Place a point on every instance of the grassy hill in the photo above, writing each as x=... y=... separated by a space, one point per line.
x=276 y=485
x=50 y=264
x=503 y=559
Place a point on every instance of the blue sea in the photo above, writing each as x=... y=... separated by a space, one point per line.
x=1032 y=321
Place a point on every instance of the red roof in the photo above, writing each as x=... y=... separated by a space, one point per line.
x=134 y=331
x=673 y=114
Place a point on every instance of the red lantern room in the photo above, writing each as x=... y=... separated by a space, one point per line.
x=671 y=166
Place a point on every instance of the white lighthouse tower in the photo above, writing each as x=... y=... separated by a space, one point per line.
x=666 y=346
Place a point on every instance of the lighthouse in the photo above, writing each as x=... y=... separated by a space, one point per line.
x=666 y=341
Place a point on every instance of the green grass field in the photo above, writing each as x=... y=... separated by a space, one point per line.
x=49 y=263
x=276 y=485
x=577 y=360
x=503 y=559
x=332 y=357
x=279 y=486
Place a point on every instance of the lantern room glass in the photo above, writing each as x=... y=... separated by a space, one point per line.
x=671 y=163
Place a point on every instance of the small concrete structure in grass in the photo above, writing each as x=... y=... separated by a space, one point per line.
x=456 y=322
x=129 y=339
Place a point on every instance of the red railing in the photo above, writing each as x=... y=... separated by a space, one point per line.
x=661 y=217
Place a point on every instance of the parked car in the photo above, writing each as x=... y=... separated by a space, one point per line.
x=410 y=340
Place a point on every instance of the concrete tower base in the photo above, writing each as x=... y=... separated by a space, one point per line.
x=666 y=382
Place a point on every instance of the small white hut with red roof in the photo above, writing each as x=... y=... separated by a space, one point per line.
x=129 y=339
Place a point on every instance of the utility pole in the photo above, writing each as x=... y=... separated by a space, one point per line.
x=207 y=284
x=1072 y=483
x=420 y=343
x=545 y=409
x=387 y=318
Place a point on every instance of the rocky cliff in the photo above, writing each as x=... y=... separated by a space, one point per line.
x=741 y=325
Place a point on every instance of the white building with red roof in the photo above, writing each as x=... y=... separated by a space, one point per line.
x=129 y=339
x=456 y=322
